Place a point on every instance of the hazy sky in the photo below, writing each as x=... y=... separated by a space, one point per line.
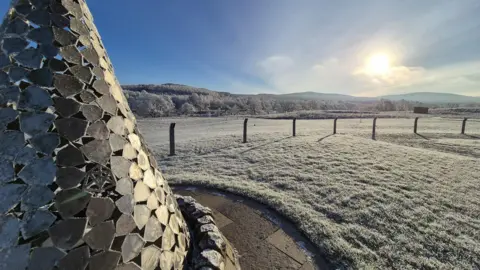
x=367 y=47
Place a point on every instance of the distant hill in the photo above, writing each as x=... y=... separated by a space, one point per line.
x=423 y=97
x=427 y=97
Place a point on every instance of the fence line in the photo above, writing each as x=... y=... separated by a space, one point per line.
x=335 y=121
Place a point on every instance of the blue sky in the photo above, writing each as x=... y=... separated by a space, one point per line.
x=366 y=48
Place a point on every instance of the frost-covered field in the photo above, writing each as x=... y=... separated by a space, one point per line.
x=402 y=201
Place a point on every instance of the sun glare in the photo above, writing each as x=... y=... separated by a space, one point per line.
x=378 y=64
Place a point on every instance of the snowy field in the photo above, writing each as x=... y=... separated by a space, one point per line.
x=403 y=201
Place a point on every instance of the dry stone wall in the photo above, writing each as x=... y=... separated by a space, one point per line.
x=78 y=187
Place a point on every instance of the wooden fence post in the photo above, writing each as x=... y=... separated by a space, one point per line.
x=374 y=127
x=415 y=125
x=335 y=126
x=294 y=127
x=172 y=139
x=245 y=130
x=464 y=125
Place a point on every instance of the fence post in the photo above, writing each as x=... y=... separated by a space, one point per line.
x=415 y=125
x=245 y=130
x=294 y=127
x=374 y=127
x=464 y=125
x=172 y=139
x=335 y=126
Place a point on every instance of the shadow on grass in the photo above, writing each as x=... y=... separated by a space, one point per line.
x=420 y=135
x=471 y=136
x=265 y=144
x=323 y=138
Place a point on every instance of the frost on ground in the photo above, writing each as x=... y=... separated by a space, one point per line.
x=402 y=201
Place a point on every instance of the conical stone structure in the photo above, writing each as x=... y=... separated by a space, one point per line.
x=78 y=187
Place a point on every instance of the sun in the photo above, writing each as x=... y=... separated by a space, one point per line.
x=378 y=64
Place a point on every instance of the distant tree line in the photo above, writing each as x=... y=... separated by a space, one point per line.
x=174 y=99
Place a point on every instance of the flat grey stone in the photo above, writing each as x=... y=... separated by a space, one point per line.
x=56 y=65
x=99 y=73
x=101 y=236
x=168 y=239
x=150 y=257
x=71 y=128
x=17 y=26
x=30 y=58
x=58 y=8
x=4 y=60
x=70 y=156
x=108 y=104
x=4 y=79
x=128 y=266
x=40 y=172
x=125 y=204
x=63 y=37
x=98 y=151
x=99 y=210
x=69 y=202
x=48 y=50
x=166 y=260
x=83 y=73
x=209 y=257
x=36 y=123
x=124 y=186
x=66 y=233
x=34 y=98
x=26 y=155
x=101 y=87
x=9 y=94
x=39 y=17
x=14 y=45
x=17 y=73
x=117 y=142
x=15 y=257
x=69 y=177
x=71 y=54
x=78 y=26
x=66 y=107
x=41 y=35
x=23 y=9
x=7 y=173
x=36 y=222
x=87 y=97
x=11 y=142
x=60 y=21
x=45 y=258
x=153 y=230
x=98 y=130
x=42 y=77
x=141 y=214
x=141 y=192
x=45 y=143
x=106 y=260
x=92 y=112
x=75 y=259
x=117 y=125
x=132 y=246
x=125 y=225
x=9 y=230
x=36 y=197
x=67 y=85
x=91 y=56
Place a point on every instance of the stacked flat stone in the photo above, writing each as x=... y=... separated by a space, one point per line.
x=210 y=248
x=78 y=187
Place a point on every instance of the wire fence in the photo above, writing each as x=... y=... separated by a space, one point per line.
x=211 y=132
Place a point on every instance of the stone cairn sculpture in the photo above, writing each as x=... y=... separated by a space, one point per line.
x=78 y=187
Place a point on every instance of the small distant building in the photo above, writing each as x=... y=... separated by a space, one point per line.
x=423 y=110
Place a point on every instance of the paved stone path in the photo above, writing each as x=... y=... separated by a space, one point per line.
x=263 y=239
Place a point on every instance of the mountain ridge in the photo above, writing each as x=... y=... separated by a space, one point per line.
x=423 y=97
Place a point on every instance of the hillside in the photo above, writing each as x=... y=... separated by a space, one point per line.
x=427 y=97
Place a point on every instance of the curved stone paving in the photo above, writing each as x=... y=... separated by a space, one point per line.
x=263 y=239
